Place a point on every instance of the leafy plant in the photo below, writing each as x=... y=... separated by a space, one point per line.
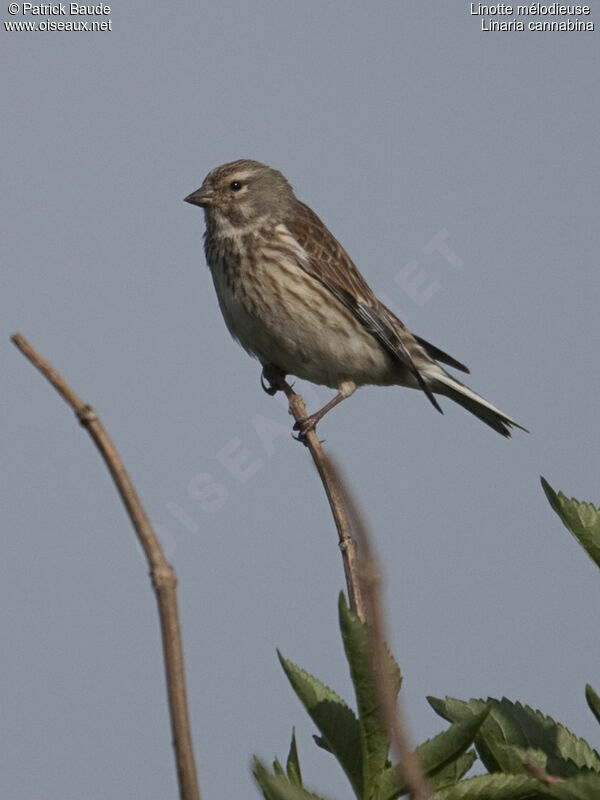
x=358 y=740
x=527 y=755
x=582 y=519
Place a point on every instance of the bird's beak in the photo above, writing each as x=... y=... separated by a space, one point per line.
x=201 y=197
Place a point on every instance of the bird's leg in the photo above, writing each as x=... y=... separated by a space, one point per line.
x=303 y=426
x=270 y=379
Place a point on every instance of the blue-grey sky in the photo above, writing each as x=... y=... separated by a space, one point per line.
x=404 y=126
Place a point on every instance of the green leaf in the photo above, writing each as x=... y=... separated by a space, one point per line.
x=278 y=787
x=375 y=743
x=493 y=787
x=388 y=784
x=593 y=701
x=444 y=748
x=293 y=763
x=582 y=519
x=439 y=706
x=320 y=741
x=334 y=719
x=580 y=787
x=434 y=754
x=277 y=768
x=535 y=736
x=520 y=787
x=512 y=759
x=453 y=772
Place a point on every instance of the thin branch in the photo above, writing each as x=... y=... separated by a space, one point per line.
x=162 y=573
x=346 y=542
x=370 y=580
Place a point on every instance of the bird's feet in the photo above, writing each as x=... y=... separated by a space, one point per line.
x=270 y=377
x=304 y=426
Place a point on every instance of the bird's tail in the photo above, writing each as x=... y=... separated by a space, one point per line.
x=442 y=383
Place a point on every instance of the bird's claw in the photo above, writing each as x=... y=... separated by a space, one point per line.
x=267 y=385
x=269 y=379
x=304 y=426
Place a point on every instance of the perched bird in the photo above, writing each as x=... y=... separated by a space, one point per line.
x=291 y=296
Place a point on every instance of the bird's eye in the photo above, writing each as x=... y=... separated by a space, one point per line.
x=235 y=186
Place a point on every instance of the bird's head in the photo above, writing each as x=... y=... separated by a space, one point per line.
x=241 y=192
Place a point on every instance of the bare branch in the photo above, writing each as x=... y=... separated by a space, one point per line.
x=370 y=579
x=162 y=573
x=346 y=542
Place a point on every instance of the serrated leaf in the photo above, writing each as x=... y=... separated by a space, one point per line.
x=375 y=743
x=492 y=787
x=580 y=787
x=334 y=719
x=439 y=706
x=593 y=701
x=434 y=755
x=362 y=631
x=453 y=772
x=512 y=758
x=320 y=742
x=582 y=519
x=293 y=763
x=277 y=768
x=512 y=724
x=278 y=787
x=389 y=784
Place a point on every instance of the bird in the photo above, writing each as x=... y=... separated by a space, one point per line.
x=292 y=297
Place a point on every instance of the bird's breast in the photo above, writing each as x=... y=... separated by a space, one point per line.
x=284 y=316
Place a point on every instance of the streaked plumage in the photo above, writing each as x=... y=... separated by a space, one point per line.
x=292 y=297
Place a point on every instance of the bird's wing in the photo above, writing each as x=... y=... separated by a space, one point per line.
x=328 y=262
x=439 y=355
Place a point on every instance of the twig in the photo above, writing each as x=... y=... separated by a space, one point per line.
x=370 y=579
x=346 y=542
x=162 y=573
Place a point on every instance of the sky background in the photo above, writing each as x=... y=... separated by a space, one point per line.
x=401 y=124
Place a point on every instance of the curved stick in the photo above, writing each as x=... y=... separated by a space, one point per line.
x=390 y=707
x=346 y=542
x=164 y=581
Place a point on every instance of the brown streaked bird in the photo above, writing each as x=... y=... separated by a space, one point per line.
x=291 y=296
